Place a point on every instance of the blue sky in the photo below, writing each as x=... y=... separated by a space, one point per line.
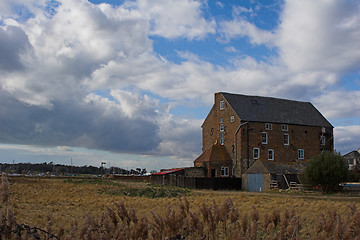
x=130 y=82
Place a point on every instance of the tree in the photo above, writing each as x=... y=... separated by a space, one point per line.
x=327 y=170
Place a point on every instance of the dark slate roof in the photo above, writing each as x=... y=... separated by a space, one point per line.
x=352 y=155
x=275 y=110
x=284 y=168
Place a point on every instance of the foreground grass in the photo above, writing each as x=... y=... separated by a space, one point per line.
x=33 y=200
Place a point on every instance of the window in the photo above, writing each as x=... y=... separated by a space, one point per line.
x=256 y=153
x=222 y=138
x=352 y=162
x=284 y=127
x=264 y=137
x=222 y=105
x=221 y=120
x=268 y=126
x=224 y=171
x=232 y=119
x=271 y=154
x=322 y=140
x=286 y=139
x=323 y=129
x=301 y=154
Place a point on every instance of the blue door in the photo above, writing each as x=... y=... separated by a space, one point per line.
x=255 y=182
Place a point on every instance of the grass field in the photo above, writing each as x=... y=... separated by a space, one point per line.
x=60 y=203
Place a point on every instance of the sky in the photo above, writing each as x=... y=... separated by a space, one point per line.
x=131 y=82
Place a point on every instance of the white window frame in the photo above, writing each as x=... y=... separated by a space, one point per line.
x=352 y=162
x=301 y=153
x=256 y=153
x=288 y=139
x=270 y=156
x=266 y=138
x=268 y=126
x=322 y=140
x=284 y=127
x=222 y=105
x=225 y=171
x=232 y=119
x=221 y=138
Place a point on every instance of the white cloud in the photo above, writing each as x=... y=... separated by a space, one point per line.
x=176 y=18
x=242 y=28
x=320 y=35
x=339 y=104
x=347 y=138
x=134 y=105
x=64 y=148
x=181 y=138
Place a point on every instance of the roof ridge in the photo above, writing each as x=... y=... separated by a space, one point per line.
x=268 y=97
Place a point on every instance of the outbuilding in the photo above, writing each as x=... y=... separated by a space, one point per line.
x=264 y=175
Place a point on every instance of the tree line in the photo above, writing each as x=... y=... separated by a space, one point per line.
x=60 y=169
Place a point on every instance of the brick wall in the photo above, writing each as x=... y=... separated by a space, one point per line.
x=300 y=137
x=266 y=182
x=195 y=172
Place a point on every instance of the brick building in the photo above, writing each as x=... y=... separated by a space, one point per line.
x=353 y=159
x=255 y=128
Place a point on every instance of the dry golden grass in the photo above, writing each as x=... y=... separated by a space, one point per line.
x=33 y=199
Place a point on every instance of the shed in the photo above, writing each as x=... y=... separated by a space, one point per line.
x=263 y=174
x=163 y=177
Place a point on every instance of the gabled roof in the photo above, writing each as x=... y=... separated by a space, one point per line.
x=216 y=153
x=264 y=166
x=352 y=155
x=168 y=171
x=275 y=110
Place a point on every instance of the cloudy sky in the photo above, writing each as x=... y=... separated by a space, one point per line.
x=130 y=82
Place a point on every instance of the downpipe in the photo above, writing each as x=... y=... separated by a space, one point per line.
x=235 y=147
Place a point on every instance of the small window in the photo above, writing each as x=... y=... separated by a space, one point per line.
x=232 y=119
x=271 y=154
x=224 y=171
x=268 y=126
x=222 y=138
x=301 y=154
x=256 y=153
x=323 y=129
x=222 y=105
x=352 y=162
x=284 y=127
x=221 y=126
x=264 y=137
x=322 y=140
x=286 y=139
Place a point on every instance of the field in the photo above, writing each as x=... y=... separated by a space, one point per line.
x=114 y=209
